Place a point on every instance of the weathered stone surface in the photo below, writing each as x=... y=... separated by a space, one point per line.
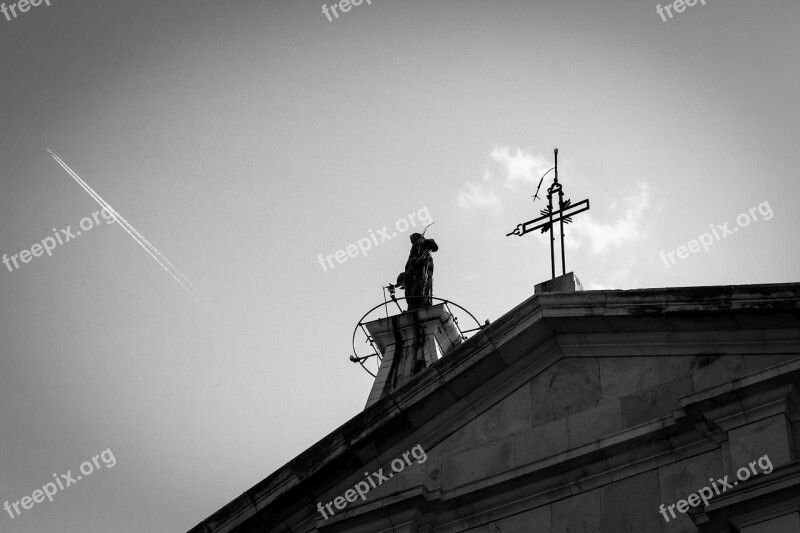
x=630 y=504
x=770 y=436
x=537 y=520
x=463 y=439
x=796 y=438
x=789 y=523
x=676 y=367
x=381 y=490
x=714 y=370
x=754 y=363
x=410 y=343
x=579 y=514
x=569 y=386
x=621 y=376
x=427 y=474
x=678 y=480
x=511 y=415
x=518 y=342
x=478 y=463
x=541 y=442
x=655 y=402
x=592 y=424
x=568 y=282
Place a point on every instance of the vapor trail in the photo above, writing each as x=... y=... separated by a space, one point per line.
x=160 y=258
x=127 y=225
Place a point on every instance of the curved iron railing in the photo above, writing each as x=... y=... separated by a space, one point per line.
x=355 y=358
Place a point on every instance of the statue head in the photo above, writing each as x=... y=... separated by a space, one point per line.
x=424 y=245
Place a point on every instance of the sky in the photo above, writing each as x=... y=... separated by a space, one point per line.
x=249 y=141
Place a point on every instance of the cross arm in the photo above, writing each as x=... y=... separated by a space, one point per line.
x=544 y=220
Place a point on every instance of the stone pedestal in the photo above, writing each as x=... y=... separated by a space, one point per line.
x=410 y=342
x=567 y=283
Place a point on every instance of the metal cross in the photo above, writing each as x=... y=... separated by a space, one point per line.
x=566 y=210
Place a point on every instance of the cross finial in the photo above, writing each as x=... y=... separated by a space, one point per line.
x=566 y=210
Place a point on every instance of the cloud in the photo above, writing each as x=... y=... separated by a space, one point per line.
x=507 y=171
x=478 y=196
x=613 y=281
x=521 y=167
x=625 y=230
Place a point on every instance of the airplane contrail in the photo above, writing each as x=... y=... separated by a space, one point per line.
x=160 y=258
x=124 y=223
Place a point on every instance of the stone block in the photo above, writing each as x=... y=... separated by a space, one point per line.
x=579 y=514
x=796 y=438
x=567 y=387
x=536 y=520
x=788 y=523
x=770 y=436
x=678 y=480
x=524 y=339
x=541 y=442
x=511 y=415
x=463 y=438
x=620 y=376
x=427 y=474
x=713 y=370
x=631 y=504
x=592 y=424
x=568 y=282
x=675 y=367
x=655 y=402
x=708 y=370
x=478 y=463
x=381 y=490
x=754 y=363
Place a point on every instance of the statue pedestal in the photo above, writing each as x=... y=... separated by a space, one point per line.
x=410 y=342
x=567 y=283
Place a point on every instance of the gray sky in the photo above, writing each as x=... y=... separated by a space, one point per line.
x=245 y=138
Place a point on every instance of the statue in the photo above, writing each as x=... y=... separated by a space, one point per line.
x=417 y=279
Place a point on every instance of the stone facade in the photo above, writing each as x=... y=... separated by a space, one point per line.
x=574 y=412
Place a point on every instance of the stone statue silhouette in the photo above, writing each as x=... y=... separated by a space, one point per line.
x=417 y=279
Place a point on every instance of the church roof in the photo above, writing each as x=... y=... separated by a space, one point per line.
x=543 y=326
